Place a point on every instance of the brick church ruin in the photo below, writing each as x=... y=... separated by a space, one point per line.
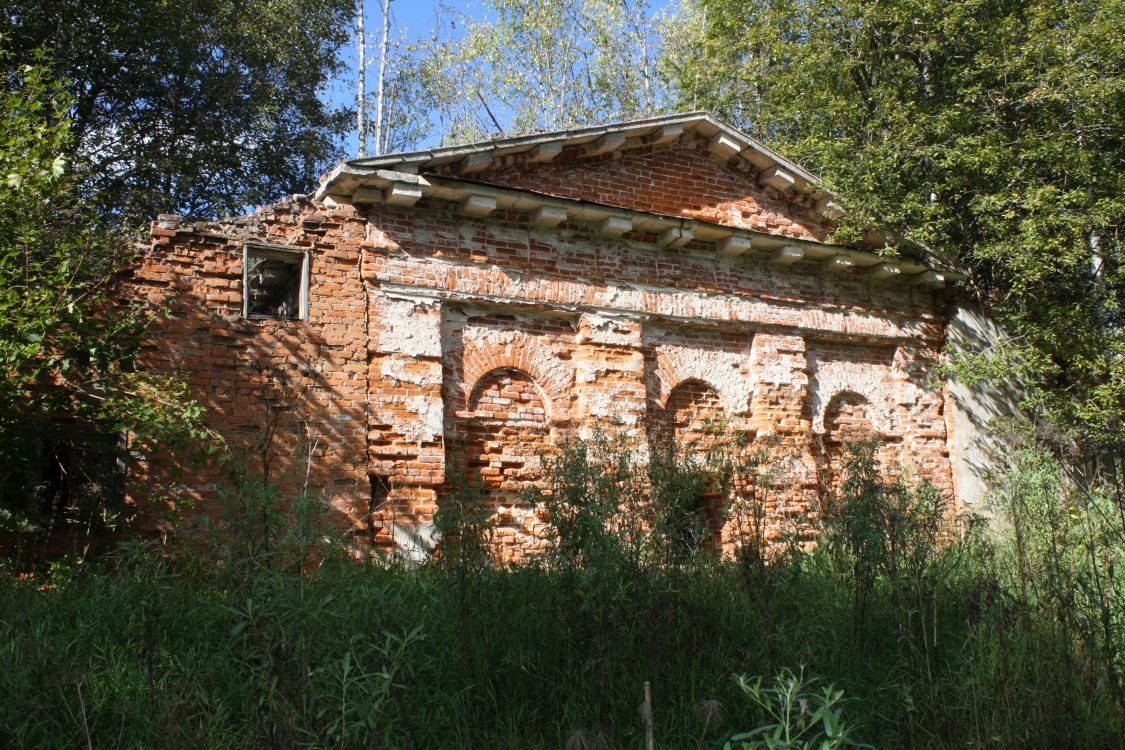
x=474 y=305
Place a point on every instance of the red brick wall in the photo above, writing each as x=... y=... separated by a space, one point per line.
x=692 y=416
x=503 y=437
x=290 y=393
x=432 y=336
x=679 y=178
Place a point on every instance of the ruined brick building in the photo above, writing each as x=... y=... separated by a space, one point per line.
x=489 y=299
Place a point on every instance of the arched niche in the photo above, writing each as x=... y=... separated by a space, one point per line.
x=692 y=414
x=498 y=440
x=515 y=350
x=849 y=418
x=504 y=431
x=684 y=430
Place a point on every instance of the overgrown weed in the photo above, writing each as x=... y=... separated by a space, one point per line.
x=940 y=635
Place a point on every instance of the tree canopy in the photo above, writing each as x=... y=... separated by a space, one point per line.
x=992 y=131
x=200 y=107
x=67 y=353
x=532 y=65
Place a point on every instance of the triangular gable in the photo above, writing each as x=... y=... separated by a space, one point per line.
x=682 y=178
x=751 y=167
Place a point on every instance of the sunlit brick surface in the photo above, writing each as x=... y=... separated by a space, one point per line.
x=438 y=343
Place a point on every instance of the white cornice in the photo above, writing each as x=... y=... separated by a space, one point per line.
x=372 y=186
x=360 y=180
x=725 y=142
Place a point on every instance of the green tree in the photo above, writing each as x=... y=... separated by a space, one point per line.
x=992 y=131
x=540 y=64
x=68 y=385
x=195 y=106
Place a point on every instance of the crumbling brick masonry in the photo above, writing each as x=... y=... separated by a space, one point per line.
x=472 y=305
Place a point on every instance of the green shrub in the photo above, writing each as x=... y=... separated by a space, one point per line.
x=277 y=639
x=797 y=716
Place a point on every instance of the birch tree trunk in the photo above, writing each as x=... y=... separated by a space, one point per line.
x=379 y=139
x=361 y=85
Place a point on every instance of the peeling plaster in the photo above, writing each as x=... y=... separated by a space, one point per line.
x=410 y=328
x=426 y=420
x=776 y=361
x=605 y=404
x=546 y=369
x=830 y=377
x=416 y=373
x=608 y=330
x=414 y=543
x=727 y=372
x=491 y=283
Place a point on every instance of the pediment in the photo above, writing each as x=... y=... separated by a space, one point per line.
x=689 y=166
x=677 y=177
x=680 y=178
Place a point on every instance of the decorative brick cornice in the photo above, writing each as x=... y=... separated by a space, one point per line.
x=478 y=200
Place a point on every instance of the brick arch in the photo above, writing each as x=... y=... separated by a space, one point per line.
x=864 y=390
x=676 y=365
x=686 y=410
x=487 y=382
x=847 y=418
x=515 y=350
x=679 y=430
x=500 y=440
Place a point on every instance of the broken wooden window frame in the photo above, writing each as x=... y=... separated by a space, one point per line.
x=296 y=257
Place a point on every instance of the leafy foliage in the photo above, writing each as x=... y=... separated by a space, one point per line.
x=798 y=717
x=66 y=354
x=275 y=636
x=199 y=107
x=992 y=132
x=530 y=65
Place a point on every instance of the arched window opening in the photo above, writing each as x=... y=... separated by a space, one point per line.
x=847 y=422
x=683 y=435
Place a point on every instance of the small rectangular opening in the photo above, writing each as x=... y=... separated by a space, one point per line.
x=275 y=283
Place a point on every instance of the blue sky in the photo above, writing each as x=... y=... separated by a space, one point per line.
x=409 y=19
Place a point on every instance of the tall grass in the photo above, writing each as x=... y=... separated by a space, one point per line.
x=937 y=633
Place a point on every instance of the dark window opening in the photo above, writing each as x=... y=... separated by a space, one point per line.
x=275 y=283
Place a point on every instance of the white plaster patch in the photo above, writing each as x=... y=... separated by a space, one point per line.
x=591 y=371
x=606 y=405
x=727 y=372
x=774 y=363
x=414 y=542
x=380 y=239
x=908 y=394
x=425 y=236
x=510 y=234
x=468 y=234
x=611 y=331
x=411 y=328
x=778 y=372
x=430 y=422
x=915 y=368
x=415 y=372
x=425 y=423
